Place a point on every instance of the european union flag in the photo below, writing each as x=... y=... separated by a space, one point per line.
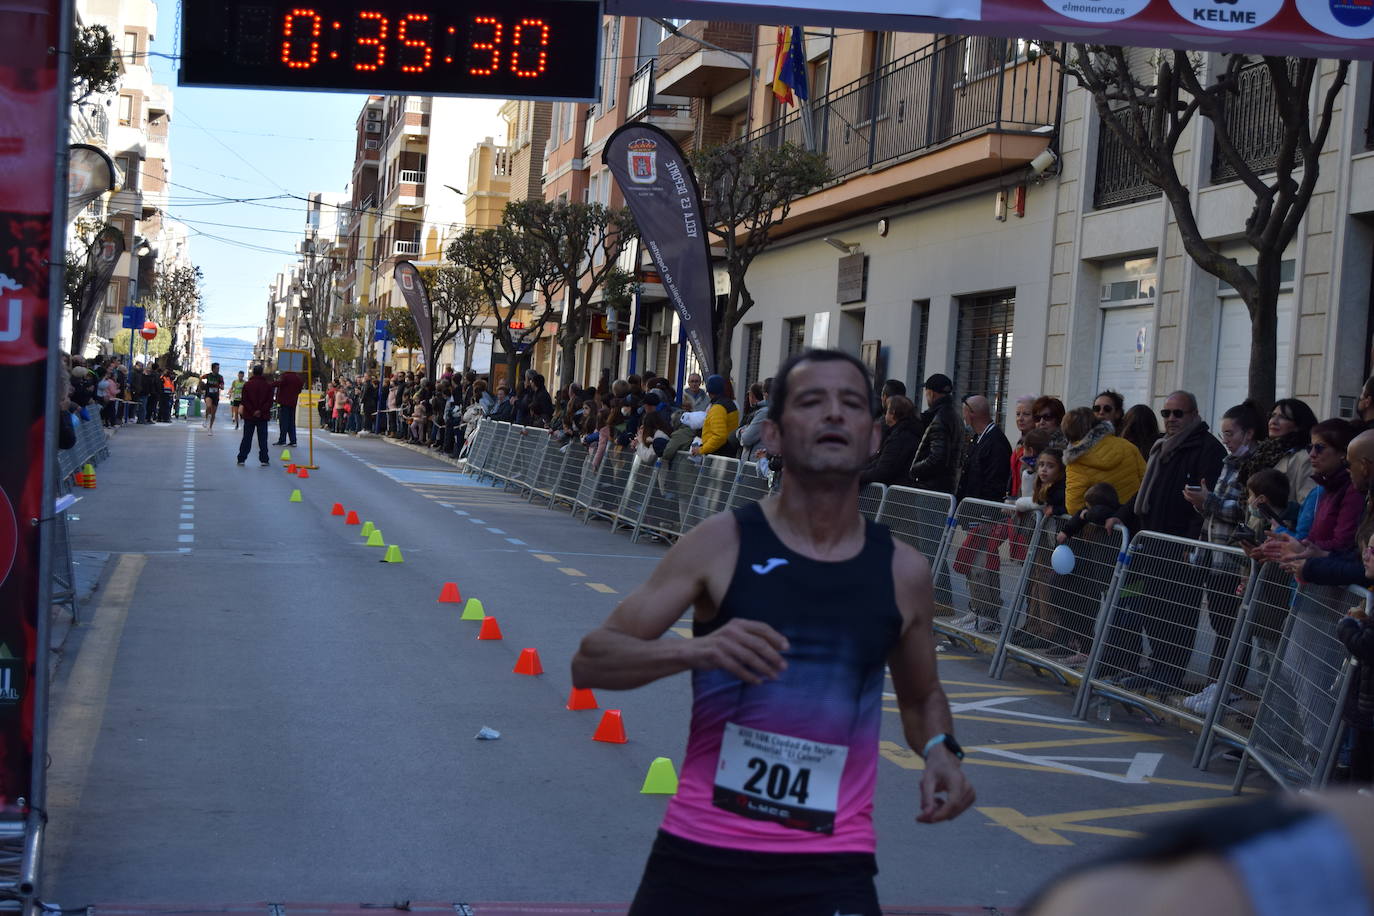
x=789 y=66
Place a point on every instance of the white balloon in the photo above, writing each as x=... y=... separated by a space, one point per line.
x=1062 y=560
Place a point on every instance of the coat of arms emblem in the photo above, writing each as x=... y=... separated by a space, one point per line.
x=643 y=161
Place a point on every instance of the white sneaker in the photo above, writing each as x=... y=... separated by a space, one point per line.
x=1199 y=702
x=966 y=621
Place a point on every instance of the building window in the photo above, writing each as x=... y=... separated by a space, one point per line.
x=126 y=110
x=131 y=46
x=128 y=166
x=570 y=116
x=982 y=360
x=753 y=352
x=794 y=336
x=920 y=327
x=114 y=298
x=610 y=50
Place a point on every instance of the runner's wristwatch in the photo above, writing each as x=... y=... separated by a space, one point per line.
x=948 y=741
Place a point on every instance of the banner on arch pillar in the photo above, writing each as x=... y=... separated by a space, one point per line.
x=1301 y=28
x=30 y=101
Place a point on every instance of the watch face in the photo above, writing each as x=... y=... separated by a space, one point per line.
x=954 y=747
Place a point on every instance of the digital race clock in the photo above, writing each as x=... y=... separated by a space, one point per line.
x=543 y=49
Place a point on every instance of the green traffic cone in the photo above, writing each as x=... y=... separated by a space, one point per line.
x=375 y=539
x=295 y=496
x=661 y=778
x=393 y=555
x=473 y=610
x=368 y=528
x=286 y=454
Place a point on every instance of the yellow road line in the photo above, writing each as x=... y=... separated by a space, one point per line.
x=545 y=557
x=1047 y=829
x=598 y=587
x=569 y=571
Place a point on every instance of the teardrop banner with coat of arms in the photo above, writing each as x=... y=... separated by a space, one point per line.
x=661 y=191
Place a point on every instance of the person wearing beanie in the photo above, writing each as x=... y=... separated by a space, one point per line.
x=722 y=418
x=936 y=464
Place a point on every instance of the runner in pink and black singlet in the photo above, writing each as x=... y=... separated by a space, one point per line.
x=799 y=605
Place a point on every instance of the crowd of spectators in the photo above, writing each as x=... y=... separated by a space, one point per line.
x=105 y=386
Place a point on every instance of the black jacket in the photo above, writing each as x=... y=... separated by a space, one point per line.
x=937 y=457
x=894 y=456
x=1358 y=638
x=1194 y=460
x=987 y=470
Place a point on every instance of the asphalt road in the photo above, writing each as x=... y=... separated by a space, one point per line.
x=257 y=709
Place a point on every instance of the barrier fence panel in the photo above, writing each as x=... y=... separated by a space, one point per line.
x=497 y=458
x=712 y=490
x=1298 y=720
x=1153 y=653
x=549 y=469
x=749 y=486
x=478 y=447
x=666 y=502
x=610 y=483
x=569 y=482
x=587 y=485
x=979 y=577
x=631 y=502
x=526 y=441
x=918 y=517
x=871 y=500
x=1057 y=625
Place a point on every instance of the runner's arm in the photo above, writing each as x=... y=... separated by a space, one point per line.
x=626 y=651
x=924 y=708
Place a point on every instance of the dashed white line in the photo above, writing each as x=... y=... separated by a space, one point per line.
x=477 y=521
x=187 y=526
x=496 y=531
x=186 y=515
x=461 y=511
x=186 y=538
x=515 y=541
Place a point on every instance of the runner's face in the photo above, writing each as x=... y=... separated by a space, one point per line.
x=827 y=427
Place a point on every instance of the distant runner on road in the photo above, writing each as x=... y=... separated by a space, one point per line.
x=799 y=605
x=211 y=384
x=235 y=397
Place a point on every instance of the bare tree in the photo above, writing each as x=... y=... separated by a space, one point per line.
x=750 y=189
x=583 y=243
x=1150 y=108
x=177 y=294
x=511 y=267
x=459 y=301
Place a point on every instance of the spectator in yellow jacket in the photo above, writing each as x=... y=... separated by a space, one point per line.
x=1097 y=455
x=722 y=418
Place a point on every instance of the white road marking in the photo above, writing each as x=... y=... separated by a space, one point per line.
x=993 y=705
x=496 y=531
x=186 y=538
x=1139 y=768
x=515 y=541
x=477 y=521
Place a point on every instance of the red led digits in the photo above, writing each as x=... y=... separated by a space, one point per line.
x=428 y=55
x=289 y=33
x=493 y=45
x=374 y=41
x=542 y=58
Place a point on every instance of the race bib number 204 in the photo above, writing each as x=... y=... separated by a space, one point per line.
x=790 y=781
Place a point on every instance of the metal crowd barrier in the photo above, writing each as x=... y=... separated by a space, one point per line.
x=1147 y=622
x=92 y=447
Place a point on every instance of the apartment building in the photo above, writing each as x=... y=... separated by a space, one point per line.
x=946 y=251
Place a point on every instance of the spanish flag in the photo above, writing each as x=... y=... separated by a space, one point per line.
x=789 y=66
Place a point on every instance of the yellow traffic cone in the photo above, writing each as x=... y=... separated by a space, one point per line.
x=286 y=454
x=295 y=496
x=661 y=778
x=90 y=476
x=367 y=529
x=375 y=539
x=393 y=555
x=473 y=610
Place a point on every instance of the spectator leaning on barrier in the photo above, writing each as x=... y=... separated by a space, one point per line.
x=721 y=419
x=1023 y=477
x=986 y=470
x=1140 y=428
x=1097 y=455
x=899 y=445
x=700 y=399
x=1339 y=562
x=1356 y=633
x=937 y=457
x=1049 y=413
x=750 y=435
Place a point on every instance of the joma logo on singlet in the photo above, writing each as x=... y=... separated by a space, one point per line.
x=768 y=566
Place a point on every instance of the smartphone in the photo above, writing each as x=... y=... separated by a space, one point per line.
x=1270 y=513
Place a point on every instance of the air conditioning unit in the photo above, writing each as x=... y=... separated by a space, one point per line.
x=372 y=144
x=374 y=127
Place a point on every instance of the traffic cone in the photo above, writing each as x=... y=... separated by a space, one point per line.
x=612 y=729
x=303 y=474
x=661 y=778
x=291 y=469
x=337 y=510
x=90 y=477
x=582 y=698
x=489 y=629
x=393 y=555
x=352 y=518
x=286 y=454
x=449 y=594
x=528 y=662
x=375 y=538
x=80 y=478
x=295 y=496
x=473 y=610
x=367 y=529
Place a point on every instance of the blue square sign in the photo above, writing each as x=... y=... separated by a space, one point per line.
x=134 y=316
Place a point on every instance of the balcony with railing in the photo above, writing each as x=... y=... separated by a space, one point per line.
x=980 y=103
x=411 y=176
x=1119 y=180
x=672 y=116
x=1253 y=124
x=409 y=249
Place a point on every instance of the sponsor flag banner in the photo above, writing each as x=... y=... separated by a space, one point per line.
x=105 y=252
x=421 y=309
x=1300 y=28
x=662 y=193
x=90 y=173
x=31 y=98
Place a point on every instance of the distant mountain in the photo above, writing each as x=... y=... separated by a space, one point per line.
x=232 y=353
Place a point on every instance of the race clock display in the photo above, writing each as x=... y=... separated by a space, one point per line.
x=543 y=49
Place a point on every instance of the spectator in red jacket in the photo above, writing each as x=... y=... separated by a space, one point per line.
x=256 y=410
x=288 y=392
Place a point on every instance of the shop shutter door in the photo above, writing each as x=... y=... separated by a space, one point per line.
x=1232 y=382
x=1120 y=366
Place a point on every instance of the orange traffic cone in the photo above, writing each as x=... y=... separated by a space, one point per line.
x=291 y=469
x=582 y=698
x=528 y=662
x=489 y=629
x=352 y=518
x=337 y=510
x=303 y=474
x=449 y=594
x=612 y=729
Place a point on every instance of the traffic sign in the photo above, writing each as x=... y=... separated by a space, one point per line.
x=149 y=330
x=383 y=331
x=134 y=316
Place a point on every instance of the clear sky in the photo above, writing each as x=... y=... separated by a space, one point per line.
x=230 y=145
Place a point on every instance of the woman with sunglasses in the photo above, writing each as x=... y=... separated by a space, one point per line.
x=1048 y=413
x=1111 y=407
x=1290 y=433
x=1338 y=510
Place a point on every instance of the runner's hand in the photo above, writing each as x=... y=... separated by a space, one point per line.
x=749 y=649
x=945 y=790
